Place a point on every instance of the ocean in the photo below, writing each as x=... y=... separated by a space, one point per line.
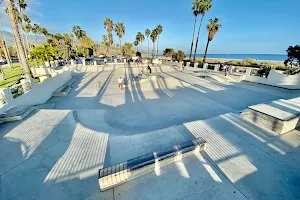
x=276 y=57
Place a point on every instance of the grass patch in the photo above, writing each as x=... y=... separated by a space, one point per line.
x=11 y=75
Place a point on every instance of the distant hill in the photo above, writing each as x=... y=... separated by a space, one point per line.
x=8 y=36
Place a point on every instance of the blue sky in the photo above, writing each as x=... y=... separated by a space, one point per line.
x=256 y=26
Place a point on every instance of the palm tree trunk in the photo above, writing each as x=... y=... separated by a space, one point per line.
x=157 y=46
x=148 y=46
x=17 y=36
x=193 y=39
x=153 y=50
x=120 y=46
x=198 y=38
x=27 y=41
x=204 y=58
x=35 y=38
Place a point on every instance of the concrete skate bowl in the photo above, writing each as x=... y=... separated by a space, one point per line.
x=151 y=105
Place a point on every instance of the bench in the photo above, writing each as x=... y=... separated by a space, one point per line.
x=118 y=174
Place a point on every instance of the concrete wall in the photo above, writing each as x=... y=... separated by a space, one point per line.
x=274 y=79
x=42 y=71
x=39 y=93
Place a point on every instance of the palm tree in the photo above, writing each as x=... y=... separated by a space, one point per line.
x=147 y=33
x=140 y=38
x=27 y=28
x=120 y=30
x=195 y=10
x=35 y=30
x=213 y=27
x=109 y=25
x=17 y=36
x=44 y=31
x=5 y=49
x=153 y=37
x=22 y=6
x=136 y=43
x=159 y=30
x=203 y=7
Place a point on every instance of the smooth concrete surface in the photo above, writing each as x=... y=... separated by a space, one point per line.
x=49 y=155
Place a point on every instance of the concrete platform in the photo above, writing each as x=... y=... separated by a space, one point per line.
x=280 y=116
x=19 y=113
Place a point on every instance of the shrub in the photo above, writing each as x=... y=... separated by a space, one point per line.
x=249 y=62
x=200 y=63
x=234 y=62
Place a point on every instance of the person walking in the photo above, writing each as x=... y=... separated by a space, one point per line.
x=226 y=69
x=120 y=82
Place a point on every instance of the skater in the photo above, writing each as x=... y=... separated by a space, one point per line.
x=149 y=68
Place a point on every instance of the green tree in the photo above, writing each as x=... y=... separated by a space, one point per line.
x=87 y=42
x=195 y=9
x=293 y=54
x=169 y=52
x=147 y=33
x=153 y=37
x=43 y=53
x=63 y=51
x=179 y=56
x=159 y=30
x=120 y=31
x=67 y=39
x=127 y=49
x=19 y=42
x=203 y=7
x=213 y=27
x=105 y=43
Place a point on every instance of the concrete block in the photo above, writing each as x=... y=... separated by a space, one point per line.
x=271 y=118
x=118 y=174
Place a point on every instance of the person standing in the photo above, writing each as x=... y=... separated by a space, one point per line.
x=120 y=82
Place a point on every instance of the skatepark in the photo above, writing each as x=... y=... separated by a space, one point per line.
x=56 y=153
